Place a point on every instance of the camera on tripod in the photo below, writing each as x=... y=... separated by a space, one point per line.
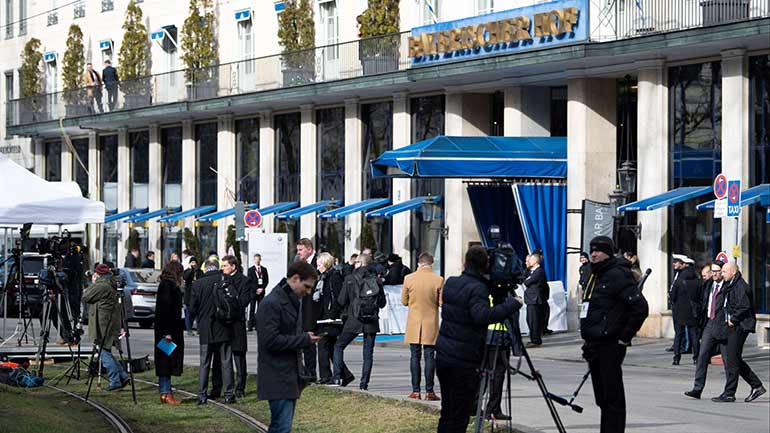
x=505 y=269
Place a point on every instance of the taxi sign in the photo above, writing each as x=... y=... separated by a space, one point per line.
x=734 y=198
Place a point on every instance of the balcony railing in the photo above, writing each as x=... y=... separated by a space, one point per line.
x=351 y=59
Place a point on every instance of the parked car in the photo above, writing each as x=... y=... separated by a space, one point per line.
x=33 y=263
x=139 y=295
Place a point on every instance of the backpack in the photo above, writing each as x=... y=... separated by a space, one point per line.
x=365 y=307
x=226 y=304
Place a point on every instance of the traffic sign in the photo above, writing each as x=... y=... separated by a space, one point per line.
x=720 y=208
x=734 y=198
x=720 y=186
x=252 y=218
x=722 y=257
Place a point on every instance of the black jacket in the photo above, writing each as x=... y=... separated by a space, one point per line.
x=254 y=281
x=395 y=274
x=348 y=297
x=149 y=264
x=310 y=309
x=241 y=285
x=537 y=290
x=110 y=76
x=585 y=271
x=279 y=341
x=202 y=308
x=465 y=315
x=740 y=304
x=719 y=324
x=684 y=297
x=347 y=269
x=190 y=276
x=330 y=285
x=617 y=309
x=131 y=261
x=168 y=321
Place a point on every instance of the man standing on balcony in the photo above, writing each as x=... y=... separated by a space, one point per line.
x=94 y=85
x=110 y=77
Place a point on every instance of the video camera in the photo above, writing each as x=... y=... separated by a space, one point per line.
x=505 y=269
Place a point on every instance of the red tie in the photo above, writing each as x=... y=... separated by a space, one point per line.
x=712 y=313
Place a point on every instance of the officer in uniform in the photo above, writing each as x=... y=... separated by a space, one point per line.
x=612 y=311
x=498 y=352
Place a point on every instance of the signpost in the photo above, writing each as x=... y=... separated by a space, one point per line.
x=720 y=192
x=734 y=198
x=252 y=218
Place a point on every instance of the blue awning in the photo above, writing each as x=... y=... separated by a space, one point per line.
x=278 y=207
x=126 y=214
x=315 y=207
x=109 y=212
x=415 y=203
x=223 y=213
x=756 y=194
x=442 y=156
x=154 y=214
x=188 y=213
x=362 y=206
x=666 y=199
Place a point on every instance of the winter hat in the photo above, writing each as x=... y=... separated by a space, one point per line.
x=603 y=244
x=102 y=269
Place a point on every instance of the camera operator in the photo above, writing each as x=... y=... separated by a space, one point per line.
x=612 y=312
x=460 y=347
x=73 y=267
x=104 y=320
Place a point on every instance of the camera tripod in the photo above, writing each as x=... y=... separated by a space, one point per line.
x=24 y=325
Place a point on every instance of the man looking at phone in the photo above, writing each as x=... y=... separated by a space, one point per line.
x=279 y=343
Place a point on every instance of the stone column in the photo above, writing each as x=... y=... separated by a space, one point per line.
x=266 y=166
x=124 y=187
x=454 y=193
x=591 y=116
x=189 y=171
x=735 y=143
x=38 y=147
x=527 y=112
x=652 y=179
x=155 y=192
x=353 y=175
x=226 y=179
x=94 y=230
x=67 y=174
x=402 y=188
x=308 y=170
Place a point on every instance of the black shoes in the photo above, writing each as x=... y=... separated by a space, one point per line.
x=213 y=396
x=694 y=394
x=347 y=380
x=724 y=399
x=230 y=400
x=533 y=345
x=202 y=401
x=363 y=387
x=239 y=394
x=755 y=393
x=501 y=417
x=670 y=349
x=676 y=361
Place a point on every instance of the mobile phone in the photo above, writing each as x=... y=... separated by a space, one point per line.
x=323 y=334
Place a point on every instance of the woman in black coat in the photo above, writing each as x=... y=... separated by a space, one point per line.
x=169 y=325
x=327 y=289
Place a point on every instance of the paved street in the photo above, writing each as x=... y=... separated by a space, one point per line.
x=653 y=387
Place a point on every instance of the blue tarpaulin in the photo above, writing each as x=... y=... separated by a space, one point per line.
x=495 y=205
x=468 y=157
x=756 y=194
x=361 y=206
x=415 y=203
x=543 y=213
x=668 y=198
x=312 y=208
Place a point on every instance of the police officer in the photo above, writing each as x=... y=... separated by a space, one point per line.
x=498 y=351
x=612 y=311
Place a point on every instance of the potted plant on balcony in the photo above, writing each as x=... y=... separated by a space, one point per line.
x=31 y=82
x=296 y=34
x=380 y=44
x=75 y=102
x=200 y=50
x=134 y=60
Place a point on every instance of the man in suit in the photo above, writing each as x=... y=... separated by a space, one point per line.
x=110 y=78
x=94 y=84
x=258 y=281
x=536 y=287
x=741 y=321
x=310 y=310
x=422 y=295
x=239 y=345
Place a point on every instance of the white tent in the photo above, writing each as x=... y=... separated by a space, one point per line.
x=27 y=198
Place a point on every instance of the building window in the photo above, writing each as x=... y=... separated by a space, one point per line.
x=53 y=18
x=8 y=85
x=429 y=12
x=427 y=122
x=485 y=6
x=759 y=166
x=497 y=116
x=287 y=136
x=171 y=149
x=330 y=132
x=330 y=25
x=107 y=5
x=246 y=43
x=695 y=126
x=8 y=19
x=108 y=182
x=80 y=172
x=377 y=122
x=53 y=161
x=22 y=17
x=139 y=143
x=80 y=9
x=206 y=154
x=247 y=151
x=559 y=111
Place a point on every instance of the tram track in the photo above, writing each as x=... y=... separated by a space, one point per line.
x=121 y=426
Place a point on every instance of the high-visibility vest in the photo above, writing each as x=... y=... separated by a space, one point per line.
x=496 y=326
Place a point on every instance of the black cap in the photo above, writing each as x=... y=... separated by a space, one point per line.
x=603 y=244
x=394 y=257
x=584 y=255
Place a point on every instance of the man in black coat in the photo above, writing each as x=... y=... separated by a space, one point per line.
x=310 y=309
x=149 y=260
x=585 y=270
x=349 y=302
x=535 y=296
x=465 y=314
x=213 y=335
x=239 y=342
x=132 y=259
x=280 y=342
x=741 y=321
x=349 y=266
x=110 y=79
x=684 y=301
x=258 y=281
x=396 y=271
x=191 y=274
x=612 y=312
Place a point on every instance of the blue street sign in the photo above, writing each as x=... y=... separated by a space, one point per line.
x=734 y=198
x=49 y=57
x=157 y=35
x=280 y=6
x=105 y=44
x=243 y=15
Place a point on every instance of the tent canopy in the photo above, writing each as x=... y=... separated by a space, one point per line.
x=28 y=198
x=469 y=157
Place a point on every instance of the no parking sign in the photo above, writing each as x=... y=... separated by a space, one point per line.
x=252 y=218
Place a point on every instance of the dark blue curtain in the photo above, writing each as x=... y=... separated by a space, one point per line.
x=494 y=204
x=543 y=209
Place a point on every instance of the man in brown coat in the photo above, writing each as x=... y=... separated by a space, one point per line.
x=422 y=294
